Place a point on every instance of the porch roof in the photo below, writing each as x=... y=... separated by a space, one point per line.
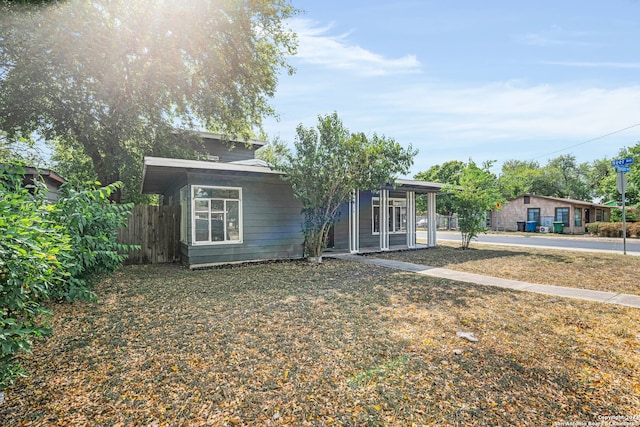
x=418 y=186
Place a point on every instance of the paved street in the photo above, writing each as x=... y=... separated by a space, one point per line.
x=548 y=241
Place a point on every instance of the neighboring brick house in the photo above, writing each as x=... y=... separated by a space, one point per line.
x=574 y=214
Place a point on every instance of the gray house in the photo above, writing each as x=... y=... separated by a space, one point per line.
x=234 y=208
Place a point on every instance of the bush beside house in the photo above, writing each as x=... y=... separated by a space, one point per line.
x=49 y=251
x=613 y=229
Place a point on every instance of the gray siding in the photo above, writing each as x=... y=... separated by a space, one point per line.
x=341 y=228
x=367 y=238
x=221 y=149
x=271 y=221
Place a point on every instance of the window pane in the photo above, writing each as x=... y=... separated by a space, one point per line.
x=202 y=227
x=217 y=206
x=202 y=205
x=562 y=215
x=215 y=193
x=217 y=227
x=376 y=219
x=403 y=219
x=577 y=217
x=599 y=214
x=391 y=219
x=233 y=220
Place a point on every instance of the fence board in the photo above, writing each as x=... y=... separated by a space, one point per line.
x=156 y=229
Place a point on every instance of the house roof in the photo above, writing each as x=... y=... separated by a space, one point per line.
x=47 y=174
x=158 y=173
x=570 y=201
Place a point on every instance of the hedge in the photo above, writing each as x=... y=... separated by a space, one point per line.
x=613 y=229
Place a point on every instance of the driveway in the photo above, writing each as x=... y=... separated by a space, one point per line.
x=547 y=241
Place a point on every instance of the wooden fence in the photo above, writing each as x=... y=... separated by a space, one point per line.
x=156 y=229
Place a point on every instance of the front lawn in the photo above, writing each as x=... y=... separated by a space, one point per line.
x=598 y=271
x=336 y=344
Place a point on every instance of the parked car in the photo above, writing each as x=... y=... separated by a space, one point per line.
x=422 y=223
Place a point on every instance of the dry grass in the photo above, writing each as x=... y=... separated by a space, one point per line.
x=336 y=344
x=588 y=270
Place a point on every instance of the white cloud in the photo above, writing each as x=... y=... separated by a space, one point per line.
x=318 y=46
x=586 y=64
x=514 y=111
x=557 y=36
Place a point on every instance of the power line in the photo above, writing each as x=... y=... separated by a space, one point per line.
x=588 y=141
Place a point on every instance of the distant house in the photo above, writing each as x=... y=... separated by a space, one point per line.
x=51 y=180
x=545 y=211
x=234 y=208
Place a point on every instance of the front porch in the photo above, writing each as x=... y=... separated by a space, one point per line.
x=386 y=219
x=375 y=250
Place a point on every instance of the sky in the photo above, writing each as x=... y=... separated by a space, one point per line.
x=464 y=79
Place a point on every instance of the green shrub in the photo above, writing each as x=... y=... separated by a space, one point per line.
x=593 y=228
x=49 y=251
x=91 y=221
x=633 y=229
x=631 y=214
x=31 y=249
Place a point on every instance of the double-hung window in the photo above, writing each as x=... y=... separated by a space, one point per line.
x=562 y=215
x=397 y=215
x=217 y=215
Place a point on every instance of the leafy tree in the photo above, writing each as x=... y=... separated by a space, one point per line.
x=476 y=193
x=327 y=164
x=571 y=177
x=519 y=177
x=447 y=173
x=605 y=182
x=110 y=80
x=19 y=149
x=602 y=179
x=560 y=177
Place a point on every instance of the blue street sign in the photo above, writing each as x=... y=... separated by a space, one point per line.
x=622 y=162
x=623 y=169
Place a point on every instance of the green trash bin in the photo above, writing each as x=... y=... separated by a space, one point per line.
x=558 y=227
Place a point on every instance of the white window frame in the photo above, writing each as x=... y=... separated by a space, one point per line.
x=225 y=210
x=184 y=214
x=392 y=216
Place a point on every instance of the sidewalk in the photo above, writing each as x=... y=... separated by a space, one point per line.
x=561 y=291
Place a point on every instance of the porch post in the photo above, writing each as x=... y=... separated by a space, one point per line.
x=354 y=222
x=431 y=220
x=384 y=220
x=411 y=219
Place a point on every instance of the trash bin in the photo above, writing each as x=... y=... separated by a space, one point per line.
x=531 y=226
x=558 y=227
x=520 y=225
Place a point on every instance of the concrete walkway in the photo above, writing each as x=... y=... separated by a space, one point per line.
x=560 y=291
